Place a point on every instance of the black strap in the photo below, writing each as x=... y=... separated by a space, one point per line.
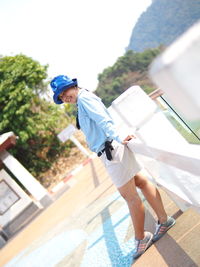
x=77 y=120
x=108 y=149
x=100 y=152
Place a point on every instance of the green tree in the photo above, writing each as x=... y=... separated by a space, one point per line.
x=23 y=111
x=21 y=79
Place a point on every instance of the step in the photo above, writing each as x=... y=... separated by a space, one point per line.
x=179 y=247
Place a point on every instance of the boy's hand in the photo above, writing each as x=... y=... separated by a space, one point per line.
x=127 y=139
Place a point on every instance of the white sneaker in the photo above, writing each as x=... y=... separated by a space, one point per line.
x=162 y=228
x=143 y=245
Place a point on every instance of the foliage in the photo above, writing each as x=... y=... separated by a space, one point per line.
x=128 y=70
x=163 y=22
x=34 y=120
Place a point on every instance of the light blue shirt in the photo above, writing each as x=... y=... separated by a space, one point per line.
x=95 y=121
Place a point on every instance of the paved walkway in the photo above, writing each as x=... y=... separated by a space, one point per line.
x=89 y=225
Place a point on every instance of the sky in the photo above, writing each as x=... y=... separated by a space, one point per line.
x=77 y=38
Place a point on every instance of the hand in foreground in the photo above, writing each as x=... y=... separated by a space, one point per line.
x=127 y=139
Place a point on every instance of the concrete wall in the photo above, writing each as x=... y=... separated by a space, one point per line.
x=16 y=207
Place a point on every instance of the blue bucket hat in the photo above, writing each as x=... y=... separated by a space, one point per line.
x=60 y=84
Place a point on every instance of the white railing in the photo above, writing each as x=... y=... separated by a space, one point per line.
x=184 y=160
x=184 y=189
x=176 y=72
x=172 y=162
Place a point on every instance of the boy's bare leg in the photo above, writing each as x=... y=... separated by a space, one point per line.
x=135 y=205
x=152 y=195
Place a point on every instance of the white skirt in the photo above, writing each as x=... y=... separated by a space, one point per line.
x=123 y=167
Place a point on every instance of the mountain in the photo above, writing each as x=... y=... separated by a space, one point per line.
x=163 y=22
x=129 y=69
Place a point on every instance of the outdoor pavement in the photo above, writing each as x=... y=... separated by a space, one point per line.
x=88 y=225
